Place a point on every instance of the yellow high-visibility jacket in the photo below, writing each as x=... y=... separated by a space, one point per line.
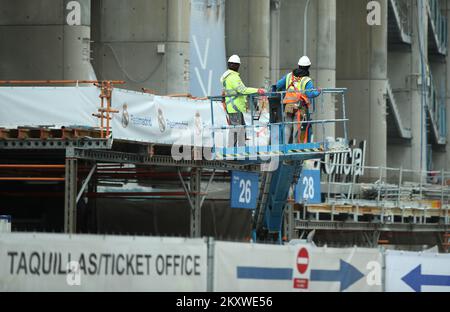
x=235 y=91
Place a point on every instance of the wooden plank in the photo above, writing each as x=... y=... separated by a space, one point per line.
x=4 y=134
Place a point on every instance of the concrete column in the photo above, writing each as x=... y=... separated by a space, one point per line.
x=247 y=31
x=275 y=20
x=326 y=65
x=418 y=113
x=447 y=148
x=145 y=43
x=178 y=22
x=45 y=39
x=362 y=68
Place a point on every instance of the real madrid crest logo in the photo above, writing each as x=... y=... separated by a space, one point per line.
x=161 y=120
x=125 y=116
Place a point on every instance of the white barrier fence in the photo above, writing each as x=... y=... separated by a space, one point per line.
x=57 y=262
x=246 y=267
x=417 y=271
x=53 y=262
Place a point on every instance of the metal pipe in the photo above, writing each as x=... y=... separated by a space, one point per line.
x=29 y=179
x=13 y=166
x=379 y=194
x=400 y=178
x=285 y=123
x=219 y=98
x=86 y=182
x=50 y=82
x=186 y=191
x=305 y=28
x=212 y=130
x=344 y=117
x=207 y=187
x=442 y=189
x=141 y=194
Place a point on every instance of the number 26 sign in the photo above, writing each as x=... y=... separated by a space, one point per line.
x=244 y=189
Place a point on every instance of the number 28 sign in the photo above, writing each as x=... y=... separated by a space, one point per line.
x=308 y=188
x=244 y=189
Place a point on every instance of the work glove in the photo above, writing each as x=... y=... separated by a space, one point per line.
x=261 y=91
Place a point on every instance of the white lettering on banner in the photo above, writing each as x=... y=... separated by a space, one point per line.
x=141 y=121
x=348 y=163
x=43 y=263
x=52 y=262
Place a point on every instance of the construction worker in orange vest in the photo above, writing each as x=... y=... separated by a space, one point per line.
x=299 y=89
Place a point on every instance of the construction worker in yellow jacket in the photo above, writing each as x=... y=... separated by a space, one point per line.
x=236 y=100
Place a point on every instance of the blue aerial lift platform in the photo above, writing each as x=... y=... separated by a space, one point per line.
x=283 y=161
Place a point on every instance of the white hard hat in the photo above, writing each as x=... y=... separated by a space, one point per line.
x=304 y=61
x=234 y=59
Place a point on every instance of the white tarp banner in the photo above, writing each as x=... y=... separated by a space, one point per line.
x=163 y=120
x=55 y=262
x=346 y=269
x=49 y=106
x=141 y=118
x=417 y=271
x=169 y=120
x=259 y=268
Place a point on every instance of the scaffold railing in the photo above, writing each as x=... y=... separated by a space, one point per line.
x=438 y=25
x=438 y=111
x=389 y=188
x=277 y=140
x=402 y=15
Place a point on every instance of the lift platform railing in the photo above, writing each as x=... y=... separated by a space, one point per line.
x=277 y=126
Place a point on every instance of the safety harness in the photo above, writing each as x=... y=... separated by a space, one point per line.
x=298 y=103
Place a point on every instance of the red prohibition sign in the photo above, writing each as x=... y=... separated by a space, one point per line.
x=302 y=260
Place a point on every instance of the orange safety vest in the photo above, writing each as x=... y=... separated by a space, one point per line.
x=294 y=90
x=294 y=100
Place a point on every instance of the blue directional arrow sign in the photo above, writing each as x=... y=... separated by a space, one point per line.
x=276 y=274
x=347 y=275
x=415 y=279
